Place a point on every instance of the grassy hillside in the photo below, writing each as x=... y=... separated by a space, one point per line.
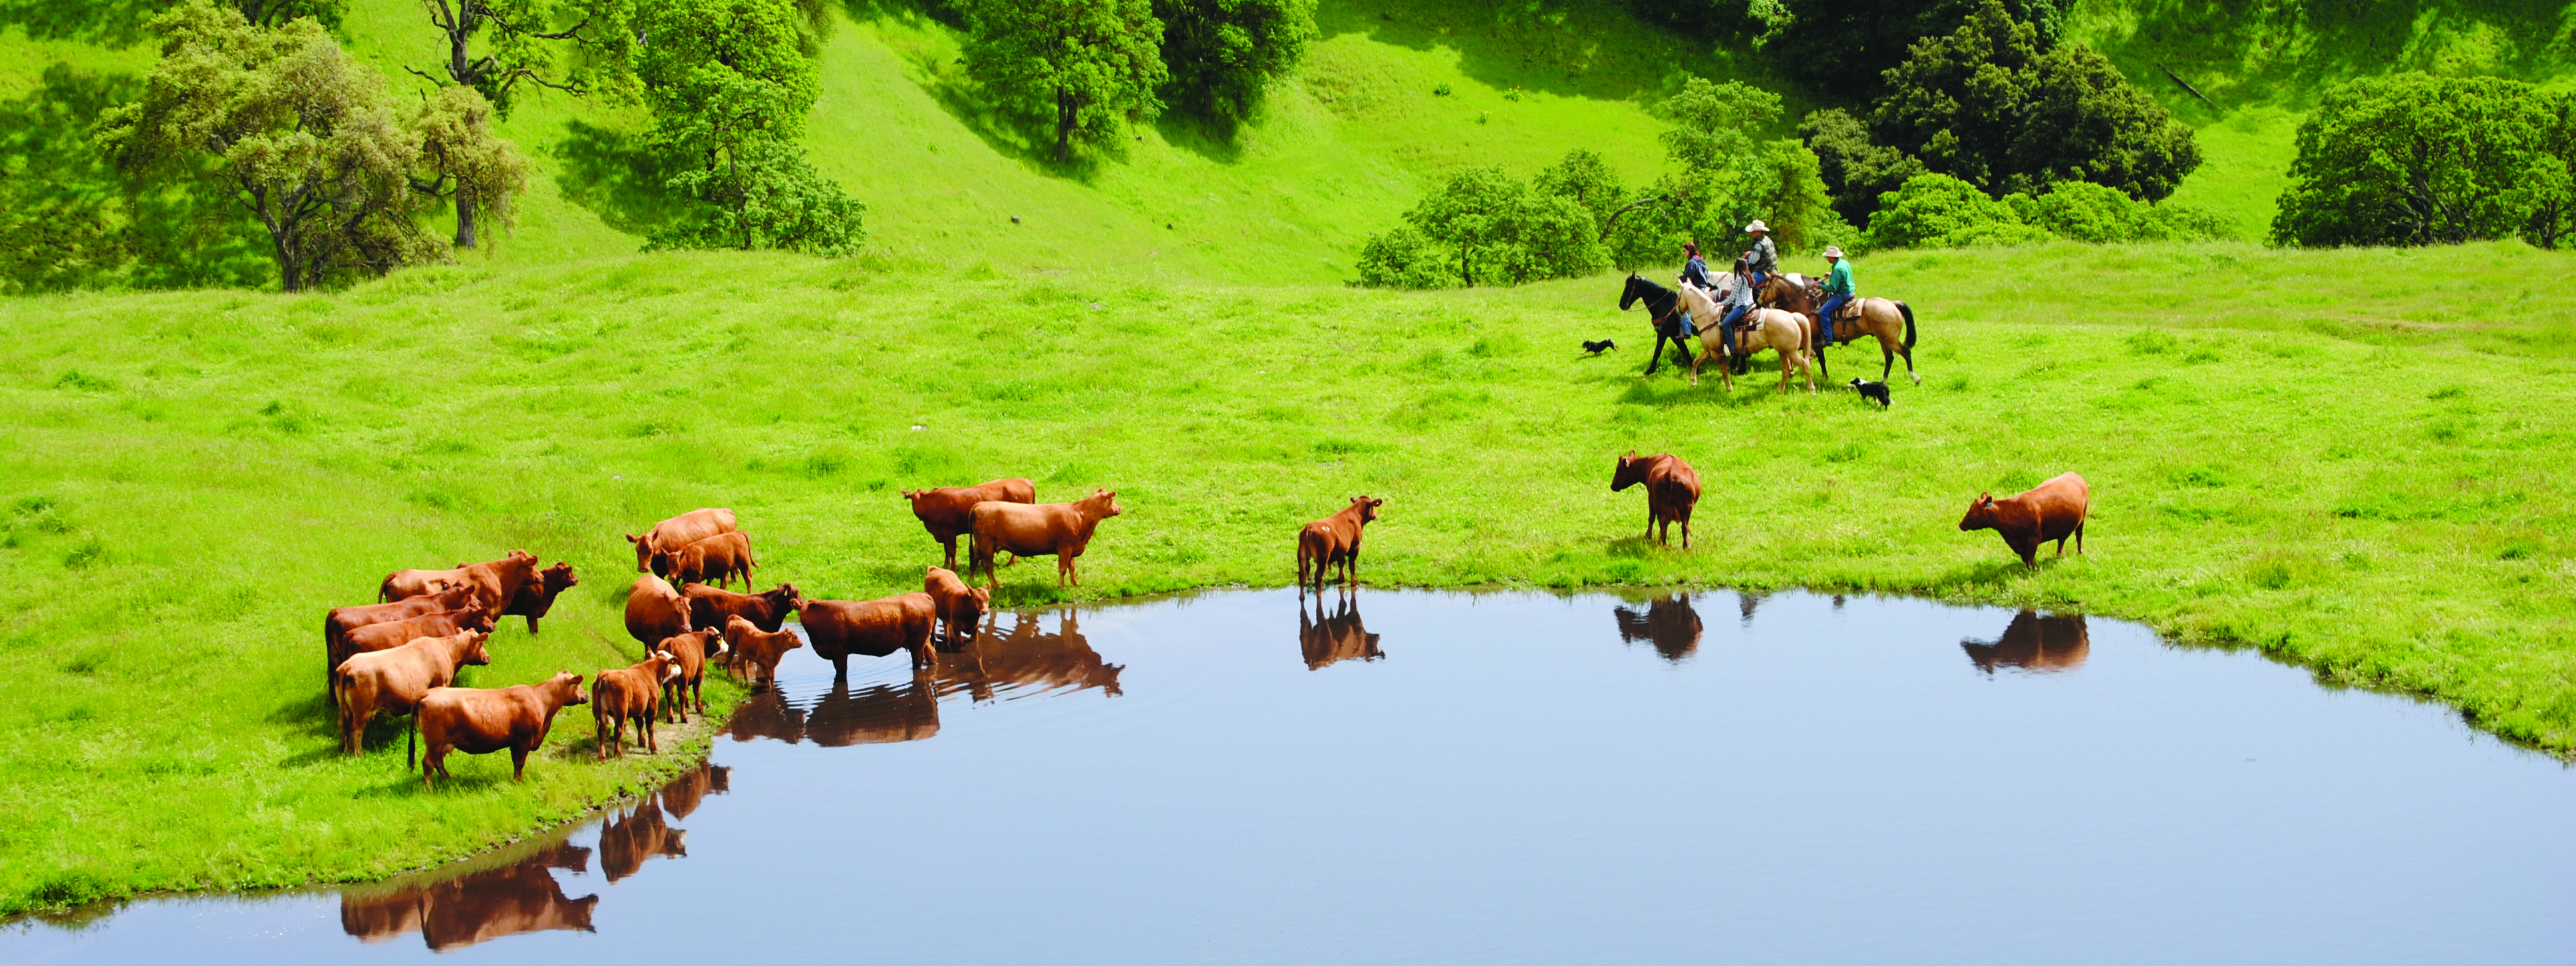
x=2346 y=458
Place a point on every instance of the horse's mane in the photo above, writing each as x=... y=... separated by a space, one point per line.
x=1652 y=290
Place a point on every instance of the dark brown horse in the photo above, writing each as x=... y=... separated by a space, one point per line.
x=1890 y=320
x=1665 y=305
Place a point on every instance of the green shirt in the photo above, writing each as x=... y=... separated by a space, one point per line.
x=1840 y=282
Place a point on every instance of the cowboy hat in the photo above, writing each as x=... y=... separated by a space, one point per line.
x=1757 y=225
x=1833 y=251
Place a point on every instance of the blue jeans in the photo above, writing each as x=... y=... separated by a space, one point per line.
x=1825 y=317
x=1726 y=326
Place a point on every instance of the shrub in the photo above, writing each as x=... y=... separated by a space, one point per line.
x=2089 y=212
x=1939 y=211
x=1854 y=169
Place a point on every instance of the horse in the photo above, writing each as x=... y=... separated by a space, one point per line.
x=1879 y=317
x=1793 y=335
x=1665 y=306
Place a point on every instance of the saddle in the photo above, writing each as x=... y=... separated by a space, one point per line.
x=1850 y=309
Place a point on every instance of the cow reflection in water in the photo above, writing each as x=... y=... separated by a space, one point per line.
x=2034 y=643
x=487 y=904
x=871 y=715
x=1669 y=623
x=1027 y=660
x=1340 y=637
x=625 y=841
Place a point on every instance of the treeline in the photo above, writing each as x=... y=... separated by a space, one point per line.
x=2412 y=159
x=259 y=149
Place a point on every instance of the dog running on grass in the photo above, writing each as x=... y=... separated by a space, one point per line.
x=1873 y=391
x=1596 y=348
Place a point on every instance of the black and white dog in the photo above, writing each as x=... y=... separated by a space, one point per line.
x=1872 y=390
x=1596 y=348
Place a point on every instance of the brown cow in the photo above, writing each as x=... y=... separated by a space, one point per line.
x=392 y=681
x=494 y=582
x=654 y=611
x=692 y=650
x=767 y=610
x=1335 y=539
x=955 y=603
x=758 y=648
x=341 y=620
x=536 y=597
x=621 y=695
x=393 y=634
x=1672 y=488
x=2053 y=510
x=944 y=511
x=714 y=560
x=480 y=721
x=1061 y=529
x=875 y=628
x=679 y=531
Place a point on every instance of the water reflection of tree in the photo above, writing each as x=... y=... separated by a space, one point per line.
x=1340 y=637
x=1669 y=623
x=2058 y=642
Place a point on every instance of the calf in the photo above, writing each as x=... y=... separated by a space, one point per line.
x=2053 y=510
x=767 y=610
x=654 y=611
x=494 y=582
x=341 y=620
x=944 y=511
x=714 y=560
x=393 y=634
x=393 y=681
x=1061 y=529
x=758 y=648
x=621 y=695
x=676 y=532
x=1335 y=539
x=692 y=650
x=1672 y=489
x=537 y=596
x=876 y=628
x=954 y=603
x=480 y=721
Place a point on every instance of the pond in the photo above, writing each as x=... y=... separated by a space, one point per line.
x=1509 y=778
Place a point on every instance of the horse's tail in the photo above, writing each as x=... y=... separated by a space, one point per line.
x=1909 y=323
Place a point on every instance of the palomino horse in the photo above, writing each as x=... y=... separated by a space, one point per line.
x=1883 y=318
x=1787 y=332
x=1665 y=307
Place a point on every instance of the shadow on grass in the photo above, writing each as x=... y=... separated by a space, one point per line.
x=615 y=176
x=2272 y=47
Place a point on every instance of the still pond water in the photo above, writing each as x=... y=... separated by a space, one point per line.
x=1510 y=778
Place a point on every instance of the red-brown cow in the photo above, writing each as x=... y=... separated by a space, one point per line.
x=875 y=628
x=767 y=610
x=494 y=582
x=692 y=650
x=714 y=560
x=2053 y=510
x=654 y=611
x=480 y=721
x=1060 y=529
x=955 y=603
x=1335 y=539
x=758 y=648
x=393 y=681
x=341 y=620
x=393 y=634
x=630 y=694
x=676 y=532
x=944 y=511
x=1672 y=489
x=536 y=597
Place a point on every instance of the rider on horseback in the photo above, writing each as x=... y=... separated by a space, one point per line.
x=1739 y=300
x=1838 y=290
x=1764 y=257
x=1694 y=272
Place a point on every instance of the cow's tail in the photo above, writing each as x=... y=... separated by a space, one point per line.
x=385 y=591
x=1908 y=311
x=411 y=740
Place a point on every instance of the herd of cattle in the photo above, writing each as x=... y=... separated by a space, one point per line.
x=401 y=655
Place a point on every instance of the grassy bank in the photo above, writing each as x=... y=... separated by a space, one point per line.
x=2354 y=460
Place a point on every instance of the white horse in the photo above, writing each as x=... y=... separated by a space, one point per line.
x=1788 y=332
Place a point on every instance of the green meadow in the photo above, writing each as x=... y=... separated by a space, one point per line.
x=2352 y=460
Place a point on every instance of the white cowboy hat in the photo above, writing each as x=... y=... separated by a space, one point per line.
x=1757 y=225
x=1833 y=251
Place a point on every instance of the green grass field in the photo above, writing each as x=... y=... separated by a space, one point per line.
x=2351 y=459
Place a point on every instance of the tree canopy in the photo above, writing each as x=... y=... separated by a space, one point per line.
x=1079 y=69
x=1221 y=54
x=729 y=85
x=2411 y=159
x=1842 y=48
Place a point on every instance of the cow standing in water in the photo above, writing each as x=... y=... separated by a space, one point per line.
x=2054 y=510
x=1334 y=540
x=1672 y=489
